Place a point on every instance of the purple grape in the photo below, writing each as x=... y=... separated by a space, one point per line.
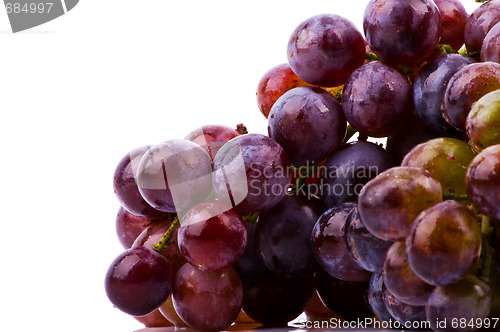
x=482 y=181
x=466 y=301
x=350 y=167
x=483 y=121
x=402 y=312
x=479 y=23
x=429 y=89
x=276 y=300
x=465 y=87
x=308 y=123
x=401 y=280
x=389 y=203
x=324 y=49
x=212 y=236
x=152 y=234
x=139 y=281
x=283 y=235
x=330 y=247
x=345 y=298
x=402 y=32
x=453 y=17
x=128 y=227
x=490 y=50
x=175 y=175
x=366 y=249
x=207 y=300
x=212 y=137
x=444 y=243
x=125 y=185
x=377 y=99
x=376 y=299
x=251 y=172
x=250 y=266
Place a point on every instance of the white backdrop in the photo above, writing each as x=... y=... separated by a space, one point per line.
x=78 y=93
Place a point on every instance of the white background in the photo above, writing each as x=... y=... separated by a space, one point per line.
x=78 y=93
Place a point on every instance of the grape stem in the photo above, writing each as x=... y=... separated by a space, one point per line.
x=165 y=240
x=372 y=57
x=488 y=251
x=453 y=196
x=349 y=134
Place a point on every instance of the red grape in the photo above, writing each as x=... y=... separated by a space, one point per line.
x=128 y=227
x=479 y=23
x=490 y=50
x=212 y=137
x=453 y=17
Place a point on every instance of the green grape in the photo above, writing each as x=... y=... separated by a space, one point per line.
x=483 y=121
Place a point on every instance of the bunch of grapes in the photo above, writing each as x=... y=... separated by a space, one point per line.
x=375 y=195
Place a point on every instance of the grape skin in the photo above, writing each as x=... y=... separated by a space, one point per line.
x=397 y=195
x=275 y=82
x=128 y=227
x=444 y=243
x=308 y=123
x=483 y=121
x=261 y=181
x=212 y=137
x=454 y=17
x=429 y=89
x=330 y=247
x=482 y=181
x=490 y=49
x=377 y=99
x=212 y=237
x=325 y=49
x=402 y=32
x=465 y=87
x=469 y=299
x=375 y=297
x=400 y=311
x=207 y=300
x=479 y=23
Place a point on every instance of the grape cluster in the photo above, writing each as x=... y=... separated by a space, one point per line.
x=375 y=194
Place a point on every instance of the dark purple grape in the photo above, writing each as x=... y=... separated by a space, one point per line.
x=408 y=136
x=483 y=121
x=402 y=32
x=125 y=185
x=479 y=23
x=283 y=235
x=377 y=99
x=212 y=137
x=465 y=87
x=250 y=266
x=212 y=236
x=175 y=175
x=445 y=159
x=453 y=17
x=376 y=299
x=389 y=203
x=490 y=50
x=401 y=280
x=366 y=249
x=207 y=300
x=444 y=243
x=330 y=247
x=350 y=167
x=152 y=234
x=405 y=314
x=308 y=123
x=429 y=88
x=139 y=281
x=345 y=298
x=276 y=300
x=275 y=82
x=463 y=305
x=128 y=227
x=251 y=172
x=324 y=49
x=483 y=181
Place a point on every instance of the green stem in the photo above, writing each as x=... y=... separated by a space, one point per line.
x=487 y=250
x=372 y=57
x=252 y=219
x=165 y=240
x=456 y=197
x=350 y=133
